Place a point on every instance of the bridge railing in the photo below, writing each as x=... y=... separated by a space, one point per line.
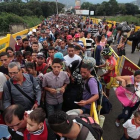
x=5 y=41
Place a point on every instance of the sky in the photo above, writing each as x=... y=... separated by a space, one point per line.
x=93 y=1
x=100 y=1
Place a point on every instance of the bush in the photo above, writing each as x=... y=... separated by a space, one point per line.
x=9 y=18
x=127 y=18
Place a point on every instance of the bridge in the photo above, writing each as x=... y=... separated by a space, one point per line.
x=111 y=132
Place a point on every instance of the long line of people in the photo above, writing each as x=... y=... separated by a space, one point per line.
x=46 y=74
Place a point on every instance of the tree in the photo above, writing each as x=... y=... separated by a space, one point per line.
x=131 y=9
x=114 y=8
x=86 y=5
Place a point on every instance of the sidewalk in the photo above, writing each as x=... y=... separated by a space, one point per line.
x=111 y=132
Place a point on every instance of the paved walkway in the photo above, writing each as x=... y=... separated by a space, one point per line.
x=111 y=132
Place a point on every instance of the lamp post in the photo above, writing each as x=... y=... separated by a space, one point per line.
x=56 y=7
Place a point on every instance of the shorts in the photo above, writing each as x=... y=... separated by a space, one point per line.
x=108 y=80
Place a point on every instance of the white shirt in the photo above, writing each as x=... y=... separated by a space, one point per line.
x=2 y=82
x=132 y=130
x=69 y=60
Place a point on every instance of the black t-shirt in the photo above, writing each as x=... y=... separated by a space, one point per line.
x=4 y=70
x=74 y=67
x=27 y=49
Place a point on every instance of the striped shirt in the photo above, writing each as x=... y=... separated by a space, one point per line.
x=89 y=43
x=93 y=31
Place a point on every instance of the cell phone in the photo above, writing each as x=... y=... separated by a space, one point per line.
x=76 y=102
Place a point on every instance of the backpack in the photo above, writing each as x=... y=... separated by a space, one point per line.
x=88 y=125
x=103 y=104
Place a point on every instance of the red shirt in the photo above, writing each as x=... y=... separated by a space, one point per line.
x=42 y=136
x=17 y=47
x=42 y=68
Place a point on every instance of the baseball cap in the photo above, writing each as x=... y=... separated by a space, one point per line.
x=18 y=37
x=77 y=36
x=40 y=54
x=59 y=55
x=69 y=37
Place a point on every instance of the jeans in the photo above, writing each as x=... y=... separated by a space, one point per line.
x=124 y=138
x=88 y=53
x=127 y=112
x=52 y=108
x=85 y=110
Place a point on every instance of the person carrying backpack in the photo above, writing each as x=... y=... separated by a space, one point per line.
x=74 y=125
x=90 y=89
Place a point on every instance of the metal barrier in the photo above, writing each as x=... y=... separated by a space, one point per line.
x=24 y=32
x=5 y=41
x=127 y=67
x=93 y=112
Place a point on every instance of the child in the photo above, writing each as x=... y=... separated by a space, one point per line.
x=36 y=128
x=132 y=128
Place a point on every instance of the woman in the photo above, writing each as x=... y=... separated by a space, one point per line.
x=10 y=51
x=30 y=68
x=103 y=41
x=121 y=46
x=131 y=83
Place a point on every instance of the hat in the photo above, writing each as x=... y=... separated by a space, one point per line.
x=69 y=37
x=18 y=37
x=59 y=55
x=40 y=54
x=34 y=30
x=77 y=36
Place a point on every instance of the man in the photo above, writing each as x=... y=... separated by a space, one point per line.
x=35 y=47
x=18 y=45
x=45 y=48
x=90 y=95
x=21 y=89
x=89 y=45
x=78 y=42
x=15 y=118
x=41 y=65
x=64 y=126
x=97 y=50
x=43 y=36
x=2 y=82
x=82 y=38
x=62 y=48
x=54 y=84
x=94 y=29
x=25 y=46
x=4 y=58
x=51 y=52
x=111 y=67
x=71 y=56
x=73 y=62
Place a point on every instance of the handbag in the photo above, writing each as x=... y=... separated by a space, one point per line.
x=126 y=97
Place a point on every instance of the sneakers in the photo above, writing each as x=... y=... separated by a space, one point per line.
x=117 y=124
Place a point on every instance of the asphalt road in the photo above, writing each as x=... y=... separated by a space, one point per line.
x=111 y=132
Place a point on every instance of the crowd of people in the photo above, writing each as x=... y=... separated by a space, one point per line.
x=51 y=75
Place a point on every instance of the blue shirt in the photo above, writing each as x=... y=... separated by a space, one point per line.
x=41 y=39
x=80 y=43
x=98 y=54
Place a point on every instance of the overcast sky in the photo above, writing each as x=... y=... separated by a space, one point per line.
x=100 y=1
x=72 y=2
